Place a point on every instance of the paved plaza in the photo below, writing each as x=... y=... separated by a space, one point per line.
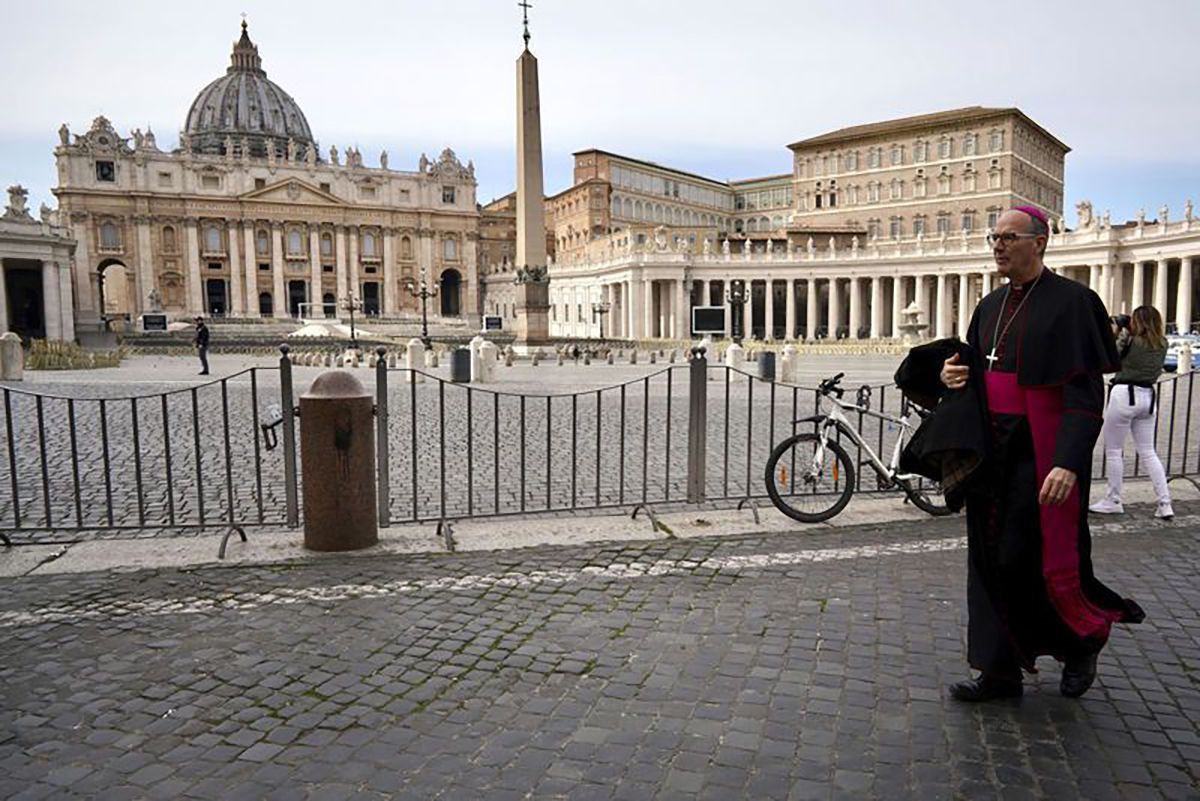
x=791 y=665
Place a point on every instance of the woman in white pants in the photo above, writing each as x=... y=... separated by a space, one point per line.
x=1130 y=410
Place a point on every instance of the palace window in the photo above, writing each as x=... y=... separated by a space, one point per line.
x=854 y=195
x=450 y=249
x=326 y=245
x=944 y=148
x=405 y=247
x=993 y=218
x=943 y=224
x=996 y=141
x=168 y=239
x=164 y=179
x=994 y=179
x=918 y=226
x=110 y=236
x=968 y=221
x=448 y=194
x=919 y=186
x=896 y=228
x=969 y=142
x=897 y=155
x=210 y=181
x=873 y=158
x=212 y=239
x=368 y=192
x=873 y=229
x=920 y=151
x=852 y=160
x=295 y=243
x=264 y=267
x=873 y=192
x=943 y=184
x=106 y=171
x=265 y=307
x=896 y=191
x=368 y=244
x=260 y=183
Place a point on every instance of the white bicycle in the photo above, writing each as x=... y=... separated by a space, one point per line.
x=810 y=477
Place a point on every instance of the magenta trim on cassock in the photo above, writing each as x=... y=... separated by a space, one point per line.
x=1042 y=407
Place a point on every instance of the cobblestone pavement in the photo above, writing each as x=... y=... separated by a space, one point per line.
x=455 y=450
x=781 y=666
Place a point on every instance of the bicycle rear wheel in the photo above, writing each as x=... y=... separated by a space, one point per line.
x=927 y=497
x=808 y=481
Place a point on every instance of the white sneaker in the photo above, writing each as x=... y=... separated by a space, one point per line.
x=1164 y=511
x=1107 y=506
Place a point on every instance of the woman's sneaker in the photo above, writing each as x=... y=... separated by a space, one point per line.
x=1164 y=511
x=1107 y=506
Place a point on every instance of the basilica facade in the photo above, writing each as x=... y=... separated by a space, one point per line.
x=248 y=218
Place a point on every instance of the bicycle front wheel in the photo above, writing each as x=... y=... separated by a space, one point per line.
x=809 y=481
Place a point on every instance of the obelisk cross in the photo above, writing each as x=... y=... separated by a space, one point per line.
x=525 y=6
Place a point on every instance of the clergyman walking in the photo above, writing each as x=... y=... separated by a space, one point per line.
x=201 y=343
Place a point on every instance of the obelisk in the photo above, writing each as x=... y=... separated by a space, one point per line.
x=533 y=296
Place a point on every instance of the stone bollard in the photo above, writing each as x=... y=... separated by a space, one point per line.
x=653 y=357
x=12 y=355
x=476 y=361
x=587 y=357
x=633 y=357
x=535 y=358
x=671 y=356
x=431 y=358
x=391 y=359
x=487 y=362
x=337 y=461
x=372 y=360
x=1185 y=358
x=415 y=358
x=609 y=357
x=735 y=359
x=509 y=356
x=350 y=358
x=789 y=372
x=560 y=359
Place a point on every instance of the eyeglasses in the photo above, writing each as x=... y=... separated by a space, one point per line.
x=1008 y=238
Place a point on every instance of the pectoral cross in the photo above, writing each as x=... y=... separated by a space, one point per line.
x=525 y=6
x=992 y=358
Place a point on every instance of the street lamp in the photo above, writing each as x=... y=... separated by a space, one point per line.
x=351 y=304
x=735 y=294
x=424 y=292
x=599 y=309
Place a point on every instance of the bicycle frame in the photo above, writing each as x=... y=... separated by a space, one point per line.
x=835 y=418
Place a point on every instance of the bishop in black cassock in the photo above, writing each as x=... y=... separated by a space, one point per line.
x=1043 y=343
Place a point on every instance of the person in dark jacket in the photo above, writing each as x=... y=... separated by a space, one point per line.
x=1042 y=344
x=201 y=343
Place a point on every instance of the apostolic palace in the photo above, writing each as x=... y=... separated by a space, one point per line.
x=249 y=217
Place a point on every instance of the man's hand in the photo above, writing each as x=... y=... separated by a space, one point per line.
x=1056 y=487
x=954 y=374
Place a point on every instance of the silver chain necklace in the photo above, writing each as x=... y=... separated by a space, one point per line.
x=997 y=335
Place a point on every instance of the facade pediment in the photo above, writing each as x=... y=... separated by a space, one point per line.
x=292 y=190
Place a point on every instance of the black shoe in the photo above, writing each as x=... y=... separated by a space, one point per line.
x=987 y=688
x=1078 y=675
x=203 y=372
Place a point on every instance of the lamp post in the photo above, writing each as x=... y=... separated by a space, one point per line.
x=736 y=295
x=599 y=309
x=351 y=304
x=424 y=291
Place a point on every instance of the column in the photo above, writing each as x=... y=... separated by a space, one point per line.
x=470 y=292
x=964 y=305
x=835 y=309
x=66 y=295
x=876 y=307
x=789 y=310
x=195 y=302
x=1161 y=273
x=236 y=307
x=648 y=331
x=84 y=277
x=1183 y=299
x=278 y=286
x=339 y=251
x=1106 y=286
x=728 y=308
x=810 y=310
x=985 y=287
x=897 y=305
x=251 y=269
x=1094 y=279
x=3 y=300
x=389 y=277
x=637 y=302
x=748 y=312
x=314 y=270
x=1137 y=296
x=921 y=296
x=682 y=312
x=855 y=306
x=145 y=278
x=352 y=268
x=940 y=315
x=425 y=259
x=51 y=301
x=769 y=311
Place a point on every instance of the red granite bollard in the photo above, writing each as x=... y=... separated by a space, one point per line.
x=337 y=461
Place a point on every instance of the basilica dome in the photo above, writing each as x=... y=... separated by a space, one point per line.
x=244 y=107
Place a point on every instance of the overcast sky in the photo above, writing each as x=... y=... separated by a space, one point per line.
x=717 y=88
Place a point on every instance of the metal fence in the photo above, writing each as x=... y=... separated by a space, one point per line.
x=80 y=463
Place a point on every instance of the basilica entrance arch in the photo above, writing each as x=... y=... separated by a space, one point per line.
x=25 y=298
x=450 y=293
x=114 y=286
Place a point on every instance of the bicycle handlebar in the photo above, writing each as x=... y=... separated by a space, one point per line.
x=830 y=386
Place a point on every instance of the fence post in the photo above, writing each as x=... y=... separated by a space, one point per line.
x=382 y=492
x=697 y=425
x=289 y=436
